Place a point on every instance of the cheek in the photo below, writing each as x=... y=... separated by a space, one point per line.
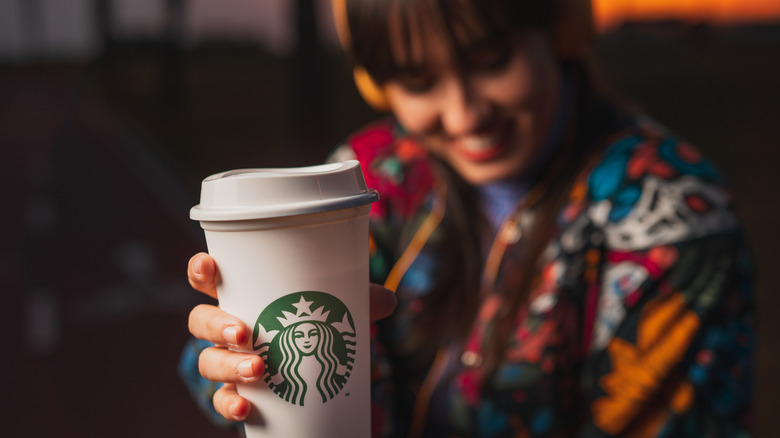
x=515 y=88
x=416 y=113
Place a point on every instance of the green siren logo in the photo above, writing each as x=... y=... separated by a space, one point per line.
x=307 y=340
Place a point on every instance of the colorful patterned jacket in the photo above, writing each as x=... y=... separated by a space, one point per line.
x=640 y=323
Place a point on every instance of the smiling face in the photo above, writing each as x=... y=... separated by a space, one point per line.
x=306 y=336
x=486 y=106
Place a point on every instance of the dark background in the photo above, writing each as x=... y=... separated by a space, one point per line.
x=101 y=160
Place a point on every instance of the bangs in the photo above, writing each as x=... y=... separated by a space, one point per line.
x=386 y=34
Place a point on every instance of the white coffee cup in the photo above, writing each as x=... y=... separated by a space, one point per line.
x=291 y=247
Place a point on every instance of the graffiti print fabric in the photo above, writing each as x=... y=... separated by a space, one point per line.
x=639 y=323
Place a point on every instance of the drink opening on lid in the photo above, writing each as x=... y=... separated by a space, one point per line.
x=311 y=170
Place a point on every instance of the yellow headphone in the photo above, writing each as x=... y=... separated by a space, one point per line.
x=372 y=92
x=574 y=31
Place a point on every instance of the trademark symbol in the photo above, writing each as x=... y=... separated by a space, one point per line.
x=346 y=394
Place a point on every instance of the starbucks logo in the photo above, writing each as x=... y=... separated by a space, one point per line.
x=307 y=340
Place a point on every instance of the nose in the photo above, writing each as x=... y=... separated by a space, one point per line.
x=463 y=110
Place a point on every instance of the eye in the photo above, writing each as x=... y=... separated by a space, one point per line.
x=297 y=335
x=487 y=58
x=314 y=332
x=414 y=80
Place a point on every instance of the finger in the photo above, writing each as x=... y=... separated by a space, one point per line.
x=212 y=324
x=383 y=302
x=202 y=273
x=229 y=404
x=222 y=365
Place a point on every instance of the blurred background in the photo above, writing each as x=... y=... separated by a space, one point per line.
x=113 y=111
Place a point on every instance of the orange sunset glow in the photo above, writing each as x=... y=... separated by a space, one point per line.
x=610 y=13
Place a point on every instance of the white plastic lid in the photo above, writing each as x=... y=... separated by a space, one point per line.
x=266 y=193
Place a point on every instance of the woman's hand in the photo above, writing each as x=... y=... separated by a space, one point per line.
x=218 y=363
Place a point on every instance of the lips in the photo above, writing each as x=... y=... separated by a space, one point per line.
x=483 y=147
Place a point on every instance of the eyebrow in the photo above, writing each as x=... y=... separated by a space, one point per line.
x=491 y=40
x=408 y=69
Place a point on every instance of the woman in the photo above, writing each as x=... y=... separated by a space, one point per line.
x=562 y=267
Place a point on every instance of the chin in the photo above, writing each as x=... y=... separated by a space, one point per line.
x=488 y=174
x=512 y=163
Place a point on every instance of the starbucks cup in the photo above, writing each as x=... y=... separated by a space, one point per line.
x=291 y=247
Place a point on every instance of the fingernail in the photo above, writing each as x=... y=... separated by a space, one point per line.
x=235 y=410
x=196 y=266
x=245 y=369
x=230 y=334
